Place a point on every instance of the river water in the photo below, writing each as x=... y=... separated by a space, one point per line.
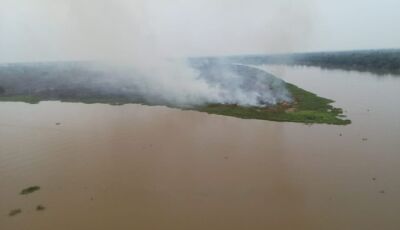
x=141 y=167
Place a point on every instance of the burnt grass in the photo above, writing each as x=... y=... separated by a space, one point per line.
x=72 y=82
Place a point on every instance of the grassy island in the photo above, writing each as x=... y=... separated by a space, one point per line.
x=306 y=108
x=32 y=84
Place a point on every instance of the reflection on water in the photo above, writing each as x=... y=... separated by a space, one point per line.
x=140 y=167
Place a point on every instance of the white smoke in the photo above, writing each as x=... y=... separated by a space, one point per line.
x=144 y=34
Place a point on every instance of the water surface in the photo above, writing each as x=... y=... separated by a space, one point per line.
x=141 y=167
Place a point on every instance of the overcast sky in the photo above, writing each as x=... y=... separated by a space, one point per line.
x=41 y=30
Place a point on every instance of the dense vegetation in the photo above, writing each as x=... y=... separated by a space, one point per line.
x=74 y=84
x=63 y=81
x=380 y=62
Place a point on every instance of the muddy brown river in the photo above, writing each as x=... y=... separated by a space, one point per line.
x=140 y=167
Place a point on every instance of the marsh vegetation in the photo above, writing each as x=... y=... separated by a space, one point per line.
x=73 y=82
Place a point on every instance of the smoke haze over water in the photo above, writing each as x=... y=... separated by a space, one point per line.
x=143 y=35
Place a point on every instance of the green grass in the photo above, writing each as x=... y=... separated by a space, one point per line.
x=307 y=108
x=21 y=98
x=30 y=99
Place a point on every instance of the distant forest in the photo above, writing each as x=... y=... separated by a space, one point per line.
x=381 y=62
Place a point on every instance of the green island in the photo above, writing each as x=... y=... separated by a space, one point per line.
x=306 y=108
x=48 y=83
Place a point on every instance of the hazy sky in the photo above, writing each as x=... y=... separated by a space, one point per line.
x=39 y=30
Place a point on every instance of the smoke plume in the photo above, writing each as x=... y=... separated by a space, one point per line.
x=147 y=40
